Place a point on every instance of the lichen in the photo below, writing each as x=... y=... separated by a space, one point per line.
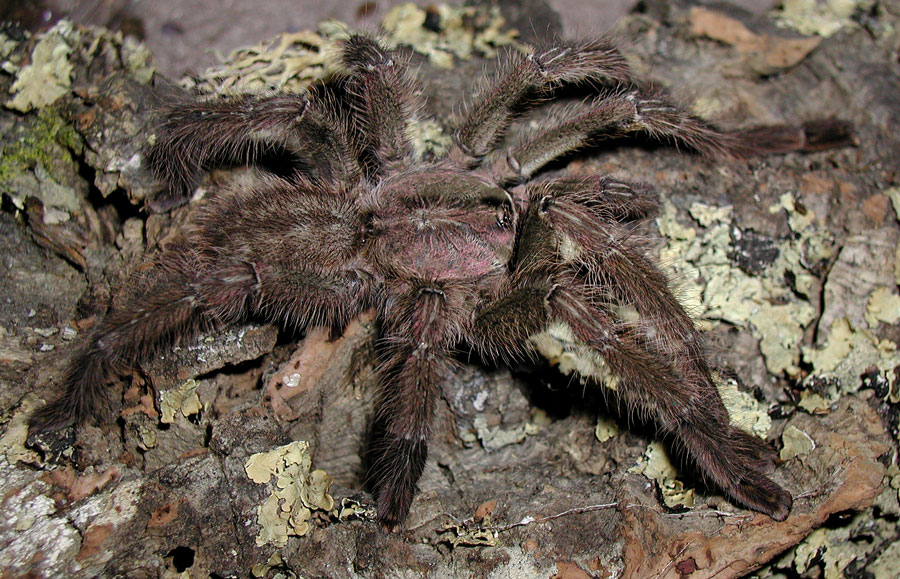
x=883 y=307
x=795 y=443
x=606 y=428
x=182 y=400
x=12 y=443
x=847 y=354
x=716 y=291
x=296 y=492
x=655 y=465
x=49 y=76
x=443 y=32
x=820 y=18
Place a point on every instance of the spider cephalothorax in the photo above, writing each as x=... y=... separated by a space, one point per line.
x=467 y=250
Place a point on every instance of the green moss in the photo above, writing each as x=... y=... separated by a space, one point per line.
x=44 y=143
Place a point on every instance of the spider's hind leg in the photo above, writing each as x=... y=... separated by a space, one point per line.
x=171 y=302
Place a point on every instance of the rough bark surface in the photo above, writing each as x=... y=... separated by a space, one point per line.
x=517 y=484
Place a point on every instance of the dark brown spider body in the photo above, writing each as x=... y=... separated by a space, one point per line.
x=466 y=250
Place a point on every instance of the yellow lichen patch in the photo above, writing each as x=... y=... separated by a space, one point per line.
x=12 y=443
x=655 y=465
x=717 y=291
x=894 y=195
x=561 y=348
x=458 y=31
x=296 y=492
x=287 y=63
x=795 y=443
x=606 y=428
x=293 y=61
x=833 y=549
x=49 y=76
x=182 y=399
x=745 y=412
x=814 y=403
x=820 y=18
x=427 y=138
x=849 y=353
x=883 y=307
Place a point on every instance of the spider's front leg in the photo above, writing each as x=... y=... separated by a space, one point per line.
x=637 y=110
x=525 y=78
x=238 y=130
x=670 y=381
x=417 y=356
x=577 y=265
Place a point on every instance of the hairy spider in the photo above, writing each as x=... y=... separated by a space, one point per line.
x=463 y=251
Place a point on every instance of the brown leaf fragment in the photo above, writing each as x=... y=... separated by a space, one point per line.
x=761 y=54
x=315 y=358
x=841 y=473
x=77 y=487
x=876 y=207
x=92 y=541
x=485 y=509
x=570 y=570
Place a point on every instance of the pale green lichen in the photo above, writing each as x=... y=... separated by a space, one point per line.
x=15 y=435
x=49 y=76
x=297 y=490
x=820 y=18
x=883 y=307
x=848 y=353
x=834 y=548
x=561 y=348
x=744 y=410
x=182 y=400
x=427 y=138
x=714 y=290
x=655 y=465
x=137 y=57
x=795 y=443
x=894 y=195
x=292 y=62
x=289 y=63
x=459 y=31
x=492 y=438
x=606 y=428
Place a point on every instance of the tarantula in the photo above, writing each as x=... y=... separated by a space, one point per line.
x=467 y=250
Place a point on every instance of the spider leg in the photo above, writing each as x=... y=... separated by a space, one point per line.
x=576 y=266
x=616 y=114
x=238 y=130
x=387 y=100
x=222 y=270
x=652 y=112
x=675 y=388
x=606 y=198
x=167 y=303
x=417 y=358
x=528 y=77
